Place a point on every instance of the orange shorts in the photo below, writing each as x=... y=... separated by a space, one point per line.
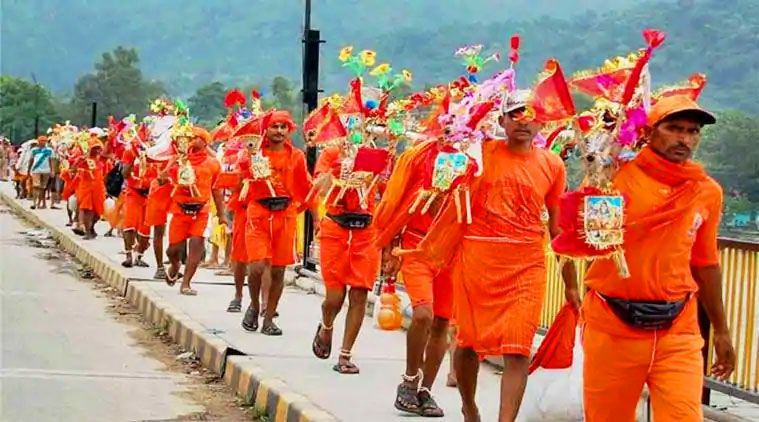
x=134 y=213
x=158 y=203
x=424 y=284
x=271 y=239
x=239 y=249
x=183 y=227
x=348 y=257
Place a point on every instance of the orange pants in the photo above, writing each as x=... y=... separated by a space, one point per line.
x=134 y=213
x=239 y=249
x=183 y=227
x=271 y=239
x=348 y=257
x=158 y=203
x=90 y=195
x=498 y=291
x=424 y=284
x=620 y=360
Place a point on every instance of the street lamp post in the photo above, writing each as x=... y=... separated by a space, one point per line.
x=310 y=93
x=36 y=107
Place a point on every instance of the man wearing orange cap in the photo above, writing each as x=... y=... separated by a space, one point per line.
x=90 y=188
x=644 y=329
x=498 y=261
x=40 y=168
x=401 y=225
x=273 y=205
x=193 y=186
x=137 y=173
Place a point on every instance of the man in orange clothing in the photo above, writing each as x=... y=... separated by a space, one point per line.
x=429 y=289
x=189 y=209
x=499 y=270
x=90 y=189
x=348 y=258
x=274 y=202
x=644 y=329
x=138 y=174
x=156 y=215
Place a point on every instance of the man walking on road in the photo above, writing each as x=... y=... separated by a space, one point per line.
x=40 y=168
x=644 y=329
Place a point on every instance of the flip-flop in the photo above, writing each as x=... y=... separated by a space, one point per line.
x=187 y=291
x=428 y=407
x=407 y=398
x=172 y=280
x=318 y=346
x=235 y=306
x=346 y=368
x=271 y=330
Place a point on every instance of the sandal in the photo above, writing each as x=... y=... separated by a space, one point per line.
x=188 y=291
x=224 y=273
x=235 y=305
x=78 y=231
x=250 y=320
x=346 y=367
x=160 y=274
x=271 y=330
x=171 y=280
x=140 y=263
x=428 y=408
x=407 y=394
x=127 y=262
x=322 y=350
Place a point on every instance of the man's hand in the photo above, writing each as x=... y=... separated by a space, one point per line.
x=390 y=264
x=725 y=364
x=572 y=295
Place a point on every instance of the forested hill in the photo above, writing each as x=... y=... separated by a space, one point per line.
x=189 y=43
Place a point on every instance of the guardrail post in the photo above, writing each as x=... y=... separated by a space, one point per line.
x=705 y=328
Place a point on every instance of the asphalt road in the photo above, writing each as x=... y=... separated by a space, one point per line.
x=63 y=357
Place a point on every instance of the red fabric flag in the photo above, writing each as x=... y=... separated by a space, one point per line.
x=557 y=349
x=329 y=130
x=691 y=89
x=317 y=118
x=353 y=103
x=551 y=100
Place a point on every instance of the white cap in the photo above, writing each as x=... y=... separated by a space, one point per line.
x=515 y=100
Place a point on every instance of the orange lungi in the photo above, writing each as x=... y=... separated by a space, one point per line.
x=239 y=249
x=348 y=257
x=425 y=284
x=157 y=204
x=135 y=212
x=90 y=195
x=272 y=238
x=183 y=227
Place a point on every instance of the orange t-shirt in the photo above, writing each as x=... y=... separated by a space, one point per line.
x=207 y=170
x=329 y=162
x=289 y=178
x=134 y=180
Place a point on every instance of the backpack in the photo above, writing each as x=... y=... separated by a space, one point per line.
x=114 y=181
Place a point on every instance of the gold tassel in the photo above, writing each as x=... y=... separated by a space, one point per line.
x=429 y=202
x=361 y=197
x=271 y=188
x=244 y=190
x=419 y=197
x=373 y=183
x=468 y=201
x=621 y=261
x=457 y=202
x=399 y=252
x=340 y=194
x=329 y=192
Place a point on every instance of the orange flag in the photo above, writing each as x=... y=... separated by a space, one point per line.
x=551 y=100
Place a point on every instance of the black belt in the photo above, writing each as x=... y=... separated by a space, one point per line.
x=142 y=192
x=646 y=315
x=275 y=203
x=353 y=221
x=191 y=208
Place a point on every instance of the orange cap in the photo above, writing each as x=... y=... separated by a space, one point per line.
x=95 y=142
x=282 y=116
x=199 y=132
x=668 y=106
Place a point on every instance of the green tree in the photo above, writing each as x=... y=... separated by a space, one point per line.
x=729 y=151
x=21 y=102
x=207 y=105
x=117 y=86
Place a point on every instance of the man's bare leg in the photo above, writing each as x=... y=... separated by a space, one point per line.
x=195 y=248
x=331 y=306
x=174 y=253
x=255 y=276
x=467 y=365
x=160 y=272
x=240 y=270
x=416 y=339
x=143 y=243
x=276 y=286
x=353 y=321
x=513 y=382
x=129 y=239
x=451 y=381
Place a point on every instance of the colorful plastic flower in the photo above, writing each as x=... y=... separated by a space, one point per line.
x=406 y=75
x=345 y=53
x=382 y=69
x=368 y=57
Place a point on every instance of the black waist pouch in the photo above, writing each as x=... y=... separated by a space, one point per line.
x=646 y=315
x=191 y=208
x=353 y=221
x=275 y=203
x=143 y=192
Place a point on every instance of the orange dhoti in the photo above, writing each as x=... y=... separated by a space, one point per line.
x=348 y=257
x=90 y=195
x=239 y=249
x=619 y=360
x=271 y=238
x=183 y=226
x=157 y=204
x=425 y=284
x=135 y=206
x=498 y=292
x=69 y=185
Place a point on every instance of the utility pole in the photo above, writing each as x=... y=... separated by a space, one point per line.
x=310 y=93
x=36 y=107
x=94 y=114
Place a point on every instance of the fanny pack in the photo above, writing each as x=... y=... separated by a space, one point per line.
x=143 y=192
x=353 y=221
x=191 y=208
x=649 y=316
x=275 y=203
